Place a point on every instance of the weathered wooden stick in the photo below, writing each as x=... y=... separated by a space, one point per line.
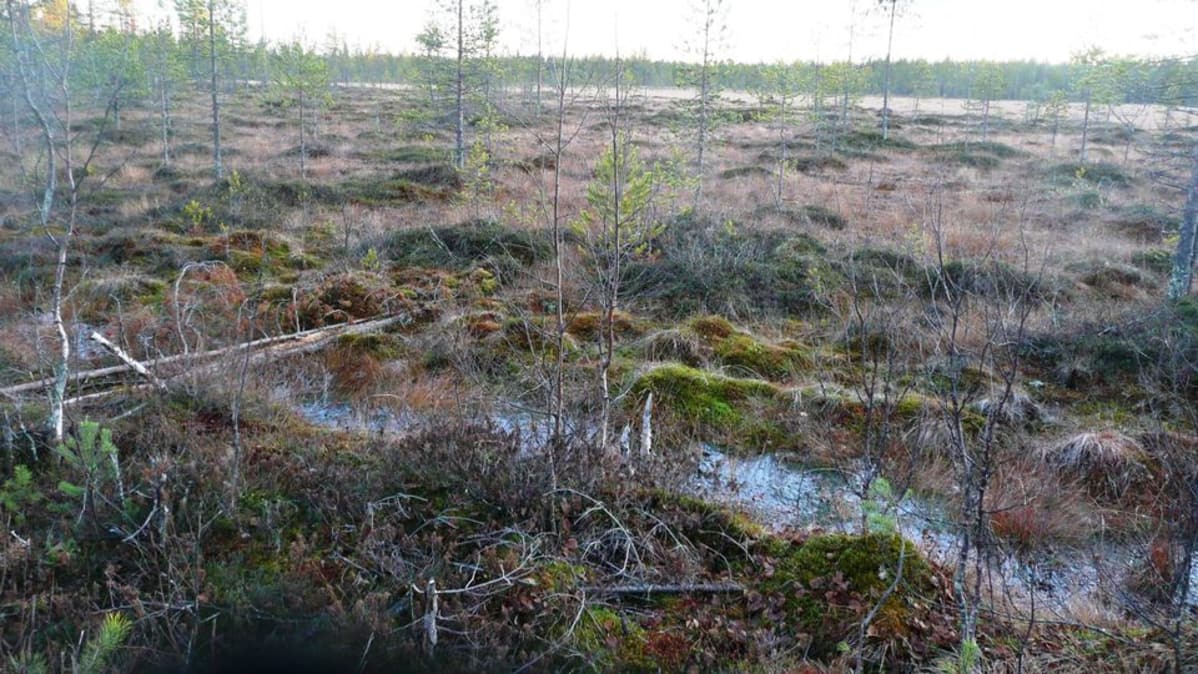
x=652 y=588
x=126 y=359
x=647 y=426
x=430 y=616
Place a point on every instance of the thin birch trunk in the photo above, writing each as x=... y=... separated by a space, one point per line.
x=1182 y=278
x=459 y=94
x=218 y=169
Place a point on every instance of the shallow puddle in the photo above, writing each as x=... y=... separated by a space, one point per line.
x=782 y=495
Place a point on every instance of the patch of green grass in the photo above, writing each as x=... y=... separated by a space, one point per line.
x=377 y=345
x=741 y=351
x=744 y=353
x=700 y=395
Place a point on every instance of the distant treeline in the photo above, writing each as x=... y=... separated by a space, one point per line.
x=1171 y=82
x=144 y=64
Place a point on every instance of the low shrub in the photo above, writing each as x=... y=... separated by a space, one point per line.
x=872 y=140
x=816 y=163
x=1111 y=278
x=1145 y=222
x=987 y=278
x=435 y=182
x=818 y=215
x=505 y=251
x=744 y=172
x=680 y=346
x=1154 y=260
x=1100 y=173
x=703 y=267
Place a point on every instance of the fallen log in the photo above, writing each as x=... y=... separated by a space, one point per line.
x=307 y=339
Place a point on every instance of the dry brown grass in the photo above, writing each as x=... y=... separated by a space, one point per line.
x=1107 y=462
x=1027 y=515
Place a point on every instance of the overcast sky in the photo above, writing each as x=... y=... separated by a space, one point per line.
x=770 y=30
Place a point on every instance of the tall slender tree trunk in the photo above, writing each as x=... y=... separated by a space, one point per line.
x=844 y=100
x=16 y=118
x=459 y=94
x=886 y=77
x=615 y=251
x=557 y=400
x=165 y=119
x=218 y=169
x=540 y=53
x=817 y=105
x=62 y=240
x=986 y=120
x=303 y=146
x=704 y=95
x=1085 y=130
x=1182 y=278
x=783 y=151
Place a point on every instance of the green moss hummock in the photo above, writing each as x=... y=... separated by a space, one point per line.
x=830 y=582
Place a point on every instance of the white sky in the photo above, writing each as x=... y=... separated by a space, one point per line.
x=770 y=30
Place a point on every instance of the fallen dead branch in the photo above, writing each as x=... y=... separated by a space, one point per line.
x=126 y=359
x=655 y=589
x=271 y=347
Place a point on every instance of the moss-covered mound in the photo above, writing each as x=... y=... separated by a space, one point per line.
x=980 y=155
x=831 y=582
x=436 y=182
x=743 y=354
x=689 y=403
x=347 y=296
